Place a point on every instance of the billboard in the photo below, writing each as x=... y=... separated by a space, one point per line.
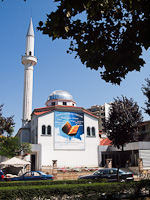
x=69 y=130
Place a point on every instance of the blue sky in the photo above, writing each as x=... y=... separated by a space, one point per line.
x=55 y=68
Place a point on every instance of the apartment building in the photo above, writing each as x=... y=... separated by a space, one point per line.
x=102 y=112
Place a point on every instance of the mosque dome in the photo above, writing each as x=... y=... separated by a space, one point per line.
x=60 y=94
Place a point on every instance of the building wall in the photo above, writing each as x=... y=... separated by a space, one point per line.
x=24 y=133
x=144 y=155
x=87 y=157
x=144 y=130
x=60 y=102
x=136 y=149
x=34 y=130
x=107 y=108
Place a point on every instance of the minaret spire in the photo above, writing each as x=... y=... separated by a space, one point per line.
x=30 y=29
x=29 y=60
x=30 y=40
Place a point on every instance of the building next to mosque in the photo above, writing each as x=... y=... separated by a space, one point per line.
x=60 y=131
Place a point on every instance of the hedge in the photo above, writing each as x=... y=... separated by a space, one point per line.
x=81 y=191
x=49 y=182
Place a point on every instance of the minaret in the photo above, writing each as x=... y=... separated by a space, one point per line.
x=29 y=60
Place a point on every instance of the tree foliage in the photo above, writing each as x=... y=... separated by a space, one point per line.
x=146 y=92
x=11 y=146
x=105 y=35
x=25 y=148
x=122 y=123
x=6 y=123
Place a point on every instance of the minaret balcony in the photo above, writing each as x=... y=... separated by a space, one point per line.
x=29 y=59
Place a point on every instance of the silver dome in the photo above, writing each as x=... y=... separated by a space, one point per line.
x=60 y=94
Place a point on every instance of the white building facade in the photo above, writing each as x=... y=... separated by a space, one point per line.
x=76 y=150
x=68 y=134
x=60 y=131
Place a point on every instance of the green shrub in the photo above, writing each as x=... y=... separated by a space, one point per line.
x=49 y=182
x=79 y=189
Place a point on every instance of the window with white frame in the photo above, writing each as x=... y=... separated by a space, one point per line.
x=91 y=132
x=43 y=130
x=46 y=130
x=88 y=131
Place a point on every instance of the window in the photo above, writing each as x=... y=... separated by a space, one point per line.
x=30 y=53
x=93 y=131
x=64 y=103
x=113 y=171
x=88 y=131
x=43 y=130
x=53 y=103
x=98 y=172
x=46 y=130
x=36 y=174
x=102 y=108
x=105 y=172
x=102 y=119
x=27 y=174
x=49 y=130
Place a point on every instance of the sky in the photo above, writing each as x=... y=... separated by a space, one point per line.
x=55 y=69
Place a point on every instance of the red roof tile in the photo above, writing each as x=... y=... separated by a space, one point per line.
x=105 y=141
x=43 y=110
x=144 y=123
x=40 y=113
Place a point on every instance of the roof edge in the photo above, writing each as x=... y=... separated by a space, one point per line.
x=43 y=110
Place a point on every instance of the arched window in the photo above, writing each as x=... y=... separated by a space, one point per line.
x=43 y=130
x=49 y=130
x=93 y=131
x=53 y=104
x=88 y=131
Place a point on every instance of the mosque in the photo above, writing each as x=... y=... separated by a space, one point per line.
x=60 y=131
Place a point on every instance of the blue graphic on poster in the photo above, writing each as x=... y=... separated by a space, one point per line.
x=69 y=130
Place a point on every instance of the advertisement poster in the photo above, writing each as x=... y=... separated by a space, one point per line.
x=69 y=130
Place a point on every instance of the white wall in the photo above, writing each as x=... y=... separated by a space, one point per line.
x=144 y=154
x=107 y=109
x=60 y=102
x=68 y=158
